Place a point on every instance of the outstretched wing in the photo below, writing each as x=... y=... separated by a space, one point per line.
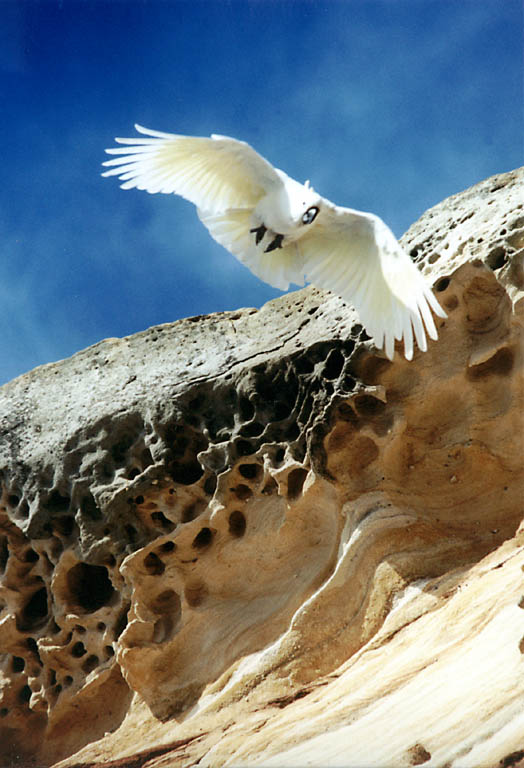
x=356 y=256
x=214 y=173
x=232 y=228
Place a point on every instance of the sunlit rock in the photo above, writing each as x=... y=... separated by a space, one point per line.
x=251 y=539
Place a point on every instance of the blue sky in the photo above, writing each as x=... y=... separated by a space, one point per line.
x=386 y=105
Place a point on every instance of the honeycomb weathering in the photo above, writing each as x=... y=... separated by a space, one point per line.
x=242 y=539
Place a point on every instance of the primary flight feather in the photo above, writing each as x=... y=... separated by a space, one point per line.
x=284 y=231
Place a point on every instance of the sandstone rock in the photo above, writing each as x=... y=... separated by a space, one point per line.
x=250 y=539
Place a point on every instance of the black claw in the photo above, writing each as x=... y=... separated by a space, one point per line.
x=276 y=243
x=261 y=231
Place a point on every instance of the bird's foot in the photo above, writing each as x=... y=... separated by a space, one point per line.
x=275 y=243
x=260 y=232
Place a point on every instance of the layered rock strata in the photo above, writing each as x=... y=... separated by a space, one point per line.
x=251 y=539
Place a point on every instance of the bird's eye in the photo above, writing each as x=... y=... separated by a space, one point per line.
x=310 y=215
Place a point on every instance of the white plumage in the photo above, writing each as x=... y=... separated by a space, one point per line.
x=284 y=231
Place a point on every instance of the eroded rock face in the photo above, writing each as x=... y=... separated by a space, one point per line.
x=218 y=516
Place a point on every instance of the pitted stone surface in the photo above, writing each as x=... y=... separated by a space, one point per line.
x=204 y=523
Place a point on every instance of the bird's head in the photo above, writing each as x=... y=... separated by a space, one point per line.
x=295 y=210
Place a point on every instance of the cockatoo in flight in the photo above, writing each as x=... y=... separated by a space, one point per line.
x=284 y=231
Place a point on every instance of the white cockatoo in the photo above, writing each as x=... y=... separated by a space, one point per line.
x=284 y=231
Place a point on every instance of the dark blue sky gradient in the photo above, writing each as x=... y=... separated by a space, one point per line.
x=386 y=105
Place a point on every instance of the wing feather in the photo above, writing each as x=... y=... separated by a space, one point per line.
x=214 y=173
x=357 y=256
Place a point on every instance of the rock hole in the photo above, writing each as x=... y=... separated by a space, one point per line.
x=120 y=624
x=442 y=284
x=195 y=594
x=246 y=409
x=89 y=508
x=90 y=664
x=158 y=518
x=139 y=500
x=496 y=258
x=23 y=510
x=67 y=681
x=521 y=645
x=279 y=456
x=4 y=553
x=253 y=429
x=295 y=482
x=131 y=533
x=250 y=471
x=190 y=512
x=293 y=432
x=418 y=755
x=64 y=525
x=180 y=441
x=433 y=258
x=368 y=406
x=334 y=364
x=34 y=613
x=133 y=472
x=168 y=546
x=24 y=694
x=501 y=364
x=186 y=474
x=33 y=647
x=153 y=564
x=242 y=492
x=31 y=556
x=4 y=712
x=57 y=503
x=270 y=487
x=210 y=484
x=146 y=458
x=13 y=500
x=163 y=629
x=78 y=650
x=203 y=539
x=166 y=602
x=451 y=303
x=109 y=650
x=304 y=365
x=101 y=626
x=52 y=677
x=90 y=587
x=196 y=403
x=244 y=448
x=281 y=410
x=120 y=449
x=107 y=471
x=18 y=664
x=237 y=524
